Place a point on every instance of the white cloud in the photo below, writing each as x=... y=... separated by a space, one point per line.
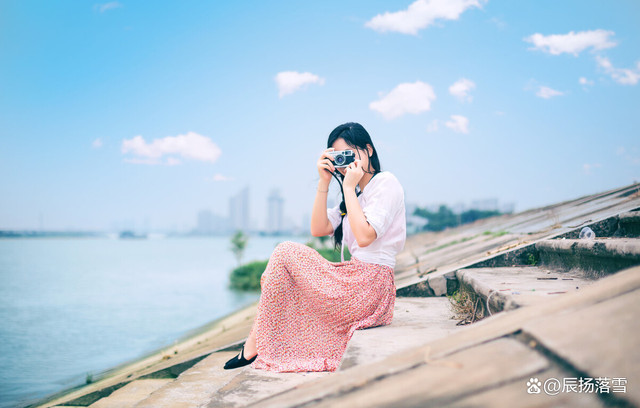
x=190 y=146
x=421 y=14
x=218 y=177
x=585 y=81
x=542 y=91
x=571 y=43
x=106 y=6
x=405 y=98
x=433 y=126
x=97 y=143
x=499 y=113
x=292 y=81
x=461 y=89
x=620 y=75
x=546 y=92
x=588 y=167
x=458 y=123
x=620 y=150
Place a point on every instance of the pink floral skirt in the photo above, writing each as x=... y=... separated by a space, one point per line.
x=309 y=308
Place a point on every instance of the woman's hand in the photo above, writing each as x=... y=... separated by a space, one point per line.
x=353 y=175
x=325 y=165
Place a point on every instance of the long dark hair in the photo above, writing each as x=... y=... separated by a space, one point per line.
x=355 y=135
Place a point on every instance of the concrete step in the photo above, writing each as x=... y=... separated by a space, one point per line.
x=208 y=384
x=601 y=338
x=595 y=258
x=196 y=386
x=415 y=321
x=509 y=288
x=629 y=224
x=130 y=394
x=252 y=385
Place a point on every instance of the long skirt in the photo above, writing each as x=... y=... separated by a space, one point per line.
x=309 y=308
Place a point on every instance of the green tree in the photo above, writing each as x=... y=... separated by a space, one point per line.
x=238 y=245
x=474 y=215
x=438 y=221
x=446 y=218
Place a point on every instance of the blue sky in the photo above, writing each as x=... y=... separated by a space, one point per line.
x=196 y=81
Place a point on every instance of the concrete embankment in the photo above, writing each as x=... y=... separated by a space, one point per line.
x=549 y=306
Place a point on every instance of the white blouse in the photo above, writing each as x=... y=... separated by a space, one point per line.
x=382 y=202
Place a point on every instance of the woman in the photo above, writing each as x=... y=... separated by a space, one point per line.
x=309 y=307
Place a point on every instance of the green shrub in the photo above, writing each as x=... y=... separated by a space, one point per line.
x=247 y=276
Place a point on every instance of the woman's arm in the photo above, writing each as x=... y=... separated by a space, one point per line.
x=362 y=230
x=320 y=224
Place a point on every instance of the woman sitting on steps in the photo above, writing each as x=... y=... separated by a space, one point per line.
x=309 y=307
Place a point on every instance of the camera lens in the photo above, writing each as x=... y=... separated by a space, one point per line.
x=339 y=159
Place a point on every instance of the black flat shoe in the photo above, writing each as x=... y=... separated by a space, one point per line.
x=239 y=362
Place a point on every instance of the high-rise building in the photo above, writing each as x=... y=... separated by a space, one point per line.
x=239 y=218
x=275 y=214
x=210 y=223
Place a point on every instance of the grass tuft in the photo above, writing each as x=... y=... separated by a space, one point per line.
x=466 y=306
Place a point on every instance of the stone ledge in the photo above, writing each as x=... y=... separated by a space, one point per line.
x=415 y=320
x=514 y=287
x=596 y=258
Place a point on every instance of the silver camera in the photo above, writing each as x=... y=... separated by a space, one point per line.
x=342 y=158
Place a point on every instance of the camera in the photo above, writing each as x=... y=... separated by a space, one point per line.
x=342 y=158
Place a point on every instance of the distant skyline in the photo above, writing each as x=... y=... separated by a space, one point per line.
x=121 y=112
x=207 y=221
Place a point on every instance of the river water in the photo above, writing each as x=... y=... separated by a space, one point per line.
x=74 y=306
